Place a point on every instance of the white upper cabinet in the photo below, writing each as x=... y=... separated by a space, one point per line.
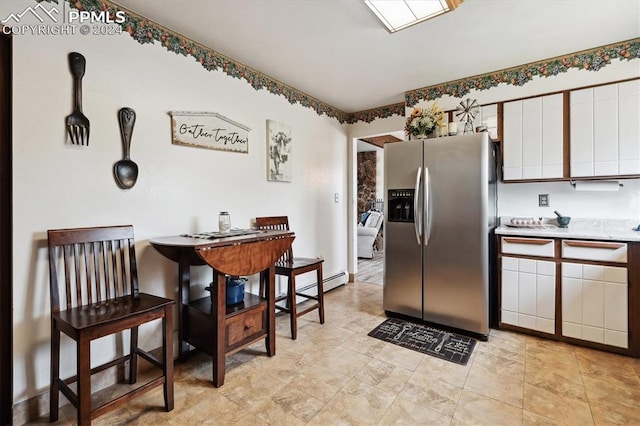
x=605 y=130
x=629 y=127
x=533 y=138
x=512 y=140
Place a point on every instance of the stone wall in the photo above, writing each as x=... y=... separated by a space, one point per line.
x=366 y=180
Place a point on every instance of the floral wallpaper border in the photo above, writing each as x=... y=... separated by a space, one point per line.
x=371 y=114
x=591 y=60
x=146 y=31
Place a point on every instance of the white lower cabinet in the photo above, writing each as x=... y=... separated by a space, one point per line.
x=528 y=293
x=595 y=303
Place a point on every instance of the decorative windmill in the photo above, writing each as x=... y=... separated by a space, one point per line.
x=467 y=111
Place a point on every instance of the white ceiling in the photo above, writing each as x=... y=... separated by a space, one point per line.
x=337 y=52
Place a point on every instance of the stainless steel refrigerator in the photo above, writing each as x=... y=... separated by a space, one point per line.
x=441 y=213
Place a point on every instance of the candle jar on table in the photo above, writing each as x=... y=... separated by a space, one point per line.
x=224 y=222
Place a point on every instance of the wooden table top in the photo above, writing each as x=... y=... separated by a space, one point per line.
x=211 y=240
x=197 y=249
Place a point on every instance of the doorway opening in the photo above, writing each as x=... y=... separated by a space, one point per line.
x=370 y=207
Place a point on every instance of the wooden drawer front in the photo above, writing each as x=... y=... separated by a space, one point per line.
x=602 y=251
x=246 y=326
x=528 y=246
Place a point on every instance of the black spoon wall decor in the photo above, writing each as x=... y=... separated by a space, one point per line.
x=125 y=170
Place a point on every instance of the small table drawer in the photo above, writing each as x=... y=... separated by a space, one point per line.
x=603 y=251
x=528 y=246
x=245 y=327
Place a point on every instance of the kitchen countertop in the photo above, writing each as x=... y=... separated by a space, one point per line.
x=593 y=229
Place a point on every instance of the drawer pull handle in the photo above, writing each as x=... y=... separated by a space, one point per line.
x=594 y=244
x=247 y=326
x=527 y=241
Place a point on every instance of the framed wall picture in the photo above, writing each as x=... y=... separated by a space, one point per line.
x=279 y=144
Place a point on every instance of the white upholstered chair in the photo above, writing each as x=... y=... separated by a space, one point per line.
x=368 y=232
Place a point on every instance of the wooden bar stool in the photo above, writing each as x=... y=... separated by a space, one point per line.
x=290 y=267
x=93 y=272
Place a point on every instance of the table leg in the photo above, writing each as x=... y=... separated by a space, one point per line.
x=184 y=279
x=218 y=316
x=271 y=309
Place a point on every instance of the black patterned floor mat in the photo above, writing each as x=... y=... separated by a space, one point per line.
x=441 y=344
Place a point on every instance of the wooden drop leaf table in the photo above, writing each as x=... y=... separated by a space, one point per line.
x=208 y=324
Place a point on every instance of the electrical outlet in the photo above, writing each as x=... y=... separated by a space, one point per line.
x=336 y=197
x=543 y=200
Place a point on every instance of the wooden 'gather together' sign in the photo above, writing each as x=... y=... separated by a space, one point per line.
x=208 y=130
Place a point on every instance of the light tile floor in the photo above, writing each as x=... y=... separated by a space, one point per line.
x=371 y=270
x=335 y=374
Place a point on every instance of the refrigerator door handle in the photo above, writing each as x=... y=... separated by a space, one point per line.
x=427 y=206
x=417 y=222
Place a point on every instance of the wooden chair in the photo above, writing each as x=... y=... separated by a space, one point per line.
x=93 y=273
x=290 y=267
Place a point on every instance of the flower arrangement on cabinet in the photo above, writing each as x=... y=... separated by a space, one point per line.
x=424 y=121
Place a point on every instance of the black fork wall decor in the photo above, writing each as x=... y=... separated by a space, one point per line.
x=77 y=122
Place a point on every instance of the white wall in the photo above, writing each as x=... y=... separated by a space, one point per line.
x=179 y=189
x=521 y=199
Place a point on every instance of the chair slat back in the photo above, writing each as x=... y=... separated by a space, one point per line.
x=91 y=265
x=276 y=223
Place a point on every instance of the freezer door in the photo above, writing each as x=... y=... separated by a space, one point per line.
x=456 y=223
x=402 y=292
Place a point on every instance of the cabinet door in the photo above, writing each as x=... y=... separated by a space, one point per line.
x=592 y=306
x=512 y=140
x=528 y=294
x=572 y=300
x=581 y=131
x=595 y=303
x=605 y=130
x=546 y=296
x=533 y=138
x=552 y=136
x=629 y=127
x=615 y=306
x=509 y=290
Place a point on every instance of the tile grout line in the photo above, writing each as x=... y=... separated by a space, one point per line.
x=575 y=355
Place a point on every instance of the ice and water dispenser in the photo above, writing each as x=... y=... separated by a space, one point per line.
x=400 y=205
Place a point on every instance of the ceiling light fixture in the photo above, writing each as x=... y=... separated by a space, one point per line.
x=396 y=15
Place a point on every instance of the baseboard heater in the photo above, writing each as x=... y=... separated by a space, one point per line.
x=329 y=283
